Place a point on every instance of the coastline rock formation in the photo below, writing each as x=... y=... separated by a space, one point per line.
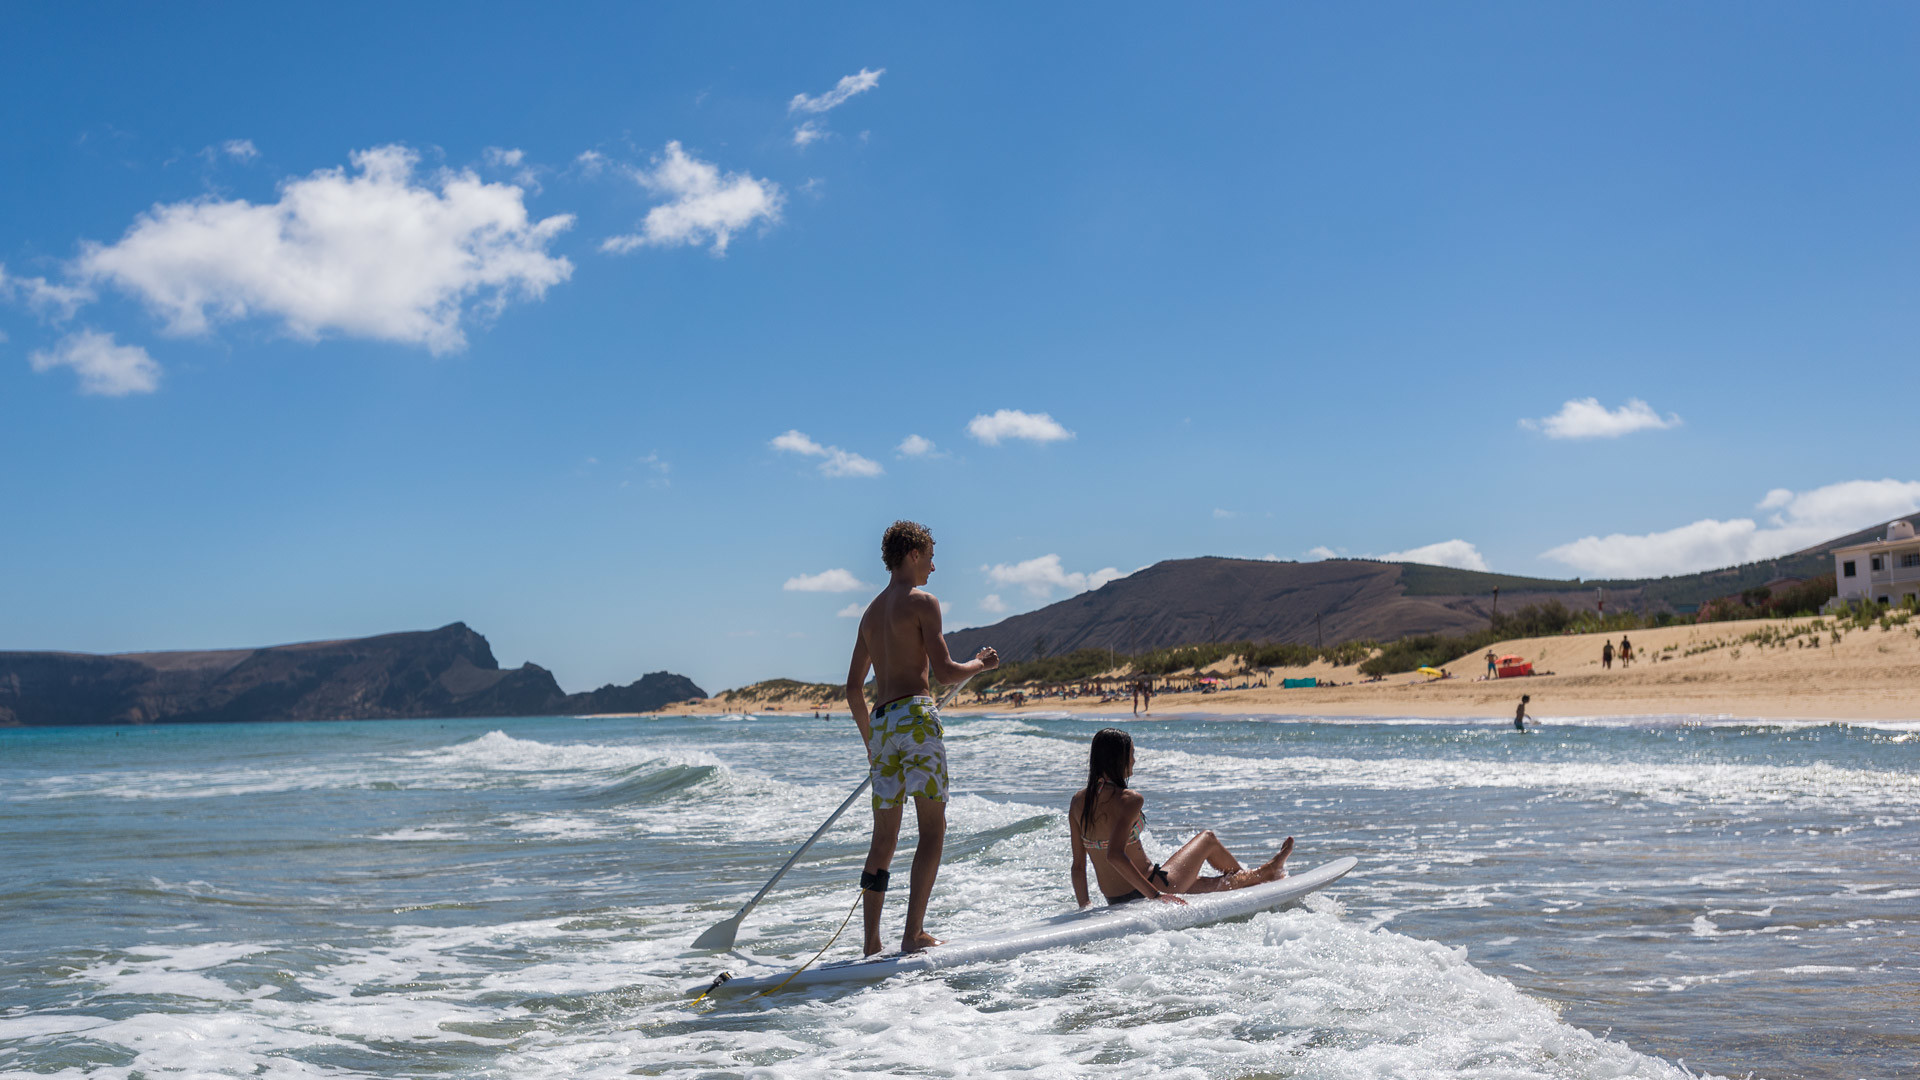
x=449 y=672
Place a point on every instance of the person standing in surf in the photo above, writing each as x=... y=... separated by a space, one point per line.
x=1104 y=820
x=900 y=641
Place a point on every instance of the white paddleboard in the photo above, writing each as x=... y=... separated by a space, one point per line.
x=1073 y=928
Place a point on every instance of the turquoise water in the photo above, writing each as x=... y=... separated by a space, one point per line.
x=514 y=898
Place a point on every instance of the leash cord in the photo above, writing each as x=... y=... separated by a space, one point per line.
x=823 y=948
x=725 y=977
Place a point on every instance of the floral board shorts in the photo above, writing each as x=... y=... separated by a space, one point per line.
x=909 y=757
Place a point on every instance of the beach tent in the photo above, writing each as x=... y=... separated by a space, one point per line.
x=1508 y=666
x=1295 y=684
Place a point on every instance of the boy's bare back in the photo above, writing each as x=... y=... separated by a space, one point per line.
x=901 y=632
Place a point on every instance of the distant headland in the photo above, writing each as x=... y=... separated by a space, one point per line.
x=447 y=672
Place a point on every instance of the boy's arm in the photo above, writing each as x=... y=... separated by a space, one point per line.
x=857 y=693
x=940 y=664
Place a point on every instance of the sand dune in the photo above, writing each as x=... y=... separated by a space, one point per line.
x=1761 y=668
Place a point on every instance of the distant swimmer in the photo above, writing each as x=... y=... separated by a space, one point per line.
x=1104 y=820
x=900 y=641
x=1520 y=716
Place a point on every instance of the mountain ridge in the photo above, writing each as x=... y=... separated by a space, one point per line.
x=1212 y=599
x=448 y=672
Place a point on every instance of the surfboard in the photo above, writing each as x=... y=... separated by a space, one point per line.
x=1073 y=928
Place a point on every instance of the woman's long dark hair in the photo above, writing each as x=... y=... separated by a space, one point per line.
x=1112 y=752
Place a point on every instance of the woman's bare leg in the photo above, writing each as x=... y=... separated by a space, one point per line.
x=1183 y=867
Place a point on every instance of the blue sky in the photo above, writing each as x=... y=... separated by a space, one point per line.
x=337 y=322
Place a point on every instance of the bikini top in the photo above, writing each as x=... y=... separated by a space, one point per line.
x=1133 y=836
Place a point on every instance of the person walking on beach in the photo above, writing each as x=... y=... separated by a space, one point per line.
x=900 y=641
x=1520 y=716
x=1626 y=651
x=1104 y=820
x=1606 y=656
x=1136 y=697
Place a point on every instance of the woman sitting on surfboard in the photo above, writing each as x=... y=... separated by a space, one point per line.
x=1105 y=820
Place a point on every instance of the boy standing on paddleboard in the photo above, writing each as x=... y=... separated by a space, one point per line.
x=900 y=641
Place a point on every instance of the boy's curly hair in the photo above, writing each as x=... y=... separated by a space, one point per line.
x=902 y=537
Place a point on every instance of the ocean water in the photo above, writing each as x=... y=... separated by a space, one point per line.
x=515 y=898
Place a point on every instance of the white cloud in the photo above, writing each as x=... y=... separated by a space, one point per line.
x=808 y=133
x=104 y=367
x=1321 y=551
x=659 y=469
x=1454 y=553
x=1804 y=519
x=1586 y=418
x=1043 y=575
x=705 y=206
x=916 y=446
x=835 y=580
x=1224 y=515
x=794 y=442
x=852 y=611
x=49 y=301
x=371 y=254
x=1014 y=424
x=842 y=90
x=591 y=162
x=835 y=461
x=505 y=157
x=240 y=149
x=992 y=603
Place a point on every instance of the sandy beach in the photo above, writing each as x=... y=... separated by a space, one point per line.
x=1760 y=668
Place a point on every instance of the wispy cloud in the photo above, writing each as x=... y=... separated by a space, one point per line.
x=705 y=206
x=852 y=611
x=834 y=461
x=1802 y=519
x=814 y=129
x=835 y=580
x=992 y=603
x=369 y=254
x=1041 y=576
x=44 y=298
x=1586 y=418
x=846 y=88
x=104 y=366
x=1455 y=553
x=1014 y=424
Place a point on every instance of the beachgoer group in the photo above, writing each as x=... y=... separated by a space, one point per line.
x=900 y=642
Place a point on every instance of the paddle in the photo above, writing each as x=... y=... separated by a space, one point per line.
x=721 y=935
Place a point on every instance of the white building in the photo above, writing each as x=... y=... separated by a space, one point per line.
x=1885 y=570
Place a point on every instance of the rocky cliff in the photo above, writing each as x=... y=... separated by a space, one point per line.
x=446 y=672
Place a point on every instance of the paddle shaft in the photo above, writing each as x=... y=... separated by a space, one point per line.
x=828 y=824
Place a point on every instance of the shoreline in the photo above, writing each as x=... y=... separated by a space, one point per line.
x=1765 y=669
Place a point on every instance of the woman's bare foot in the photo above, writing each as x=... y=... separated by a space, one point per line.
x=1276 y=868
x=1272 y=870
x=922 y=940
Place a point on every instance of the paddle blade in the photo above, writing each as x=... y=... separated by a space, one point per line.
x=720 y=936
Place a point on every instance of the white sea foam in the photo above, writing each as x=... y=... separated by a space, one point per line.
x=1678 y=782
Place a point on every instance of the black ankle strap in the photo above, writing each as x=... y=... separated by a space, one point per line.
x=874 y=880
